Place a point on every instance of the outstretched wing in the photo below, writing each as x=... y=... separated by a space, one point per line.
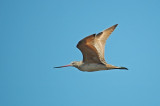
x=92 y=47
x=90 y=53
x=101 y=39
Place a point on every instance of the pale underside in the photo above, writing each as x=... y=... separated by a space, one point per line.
x=90 y=67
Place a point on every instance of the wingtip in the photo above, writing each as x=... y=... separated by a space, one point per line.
x=116 y=25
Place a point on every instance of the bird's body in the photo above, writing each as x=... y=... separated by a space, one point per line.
x=92 y=48
x=92 y=67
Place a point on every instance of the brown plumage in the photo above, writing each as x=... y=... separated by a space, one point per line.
x=92 y=48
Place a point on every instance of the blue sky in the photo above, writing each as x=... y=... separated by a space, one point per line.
x=36 y=35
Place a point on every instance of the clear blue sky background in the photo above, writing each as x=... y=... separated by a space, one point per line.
x=36 y=35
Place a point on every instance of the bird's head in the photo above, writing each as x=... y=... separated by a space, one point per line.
x=73 y=64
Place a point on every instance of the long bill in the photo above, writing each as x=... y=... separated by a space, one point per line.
x=63 y=66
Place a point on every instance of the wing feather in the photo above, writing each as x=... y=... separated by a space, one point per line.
x=92 y=47
x=90 y=53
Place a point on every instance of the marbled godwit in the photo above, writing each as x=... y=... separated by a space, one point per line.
x=92 y=48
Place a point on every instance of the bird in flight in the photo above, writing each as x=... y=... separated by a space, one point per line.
x=92 y=48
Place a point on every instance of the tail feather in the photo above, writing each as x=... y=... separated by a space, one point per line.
x=124 y=68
